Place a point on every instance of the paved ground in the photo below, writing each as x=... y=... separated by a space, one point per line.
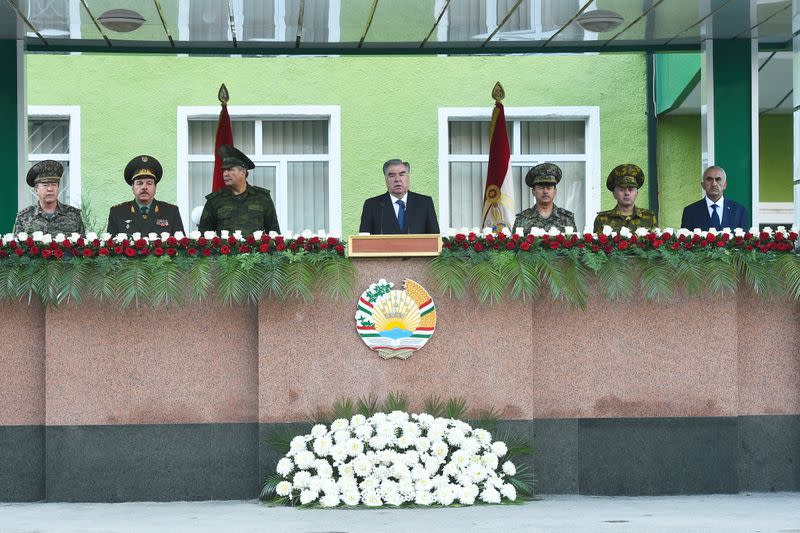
x=778 y=512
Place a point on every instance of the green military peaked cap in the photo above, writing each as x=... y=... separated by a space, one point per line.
x=233 y=157
x=47 y=171
x=543 y=174
x=625 y=175
x=143 y=166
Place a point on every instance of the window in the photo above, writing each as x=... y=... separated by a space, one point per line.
x=54 y=133
x=568 y=137
x=259 y=20
x=55 y=18
x=533 y=19
x=296 y=152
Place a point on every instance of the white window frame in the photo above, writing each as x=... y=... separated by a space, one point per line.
x=280 y=196
x=534 y=33
x=334 y=10
x=589 y=114
x=775 y=214
x=73 y=114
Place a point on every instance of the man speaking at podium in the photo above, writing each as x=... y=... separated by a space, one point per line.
x=398 y=210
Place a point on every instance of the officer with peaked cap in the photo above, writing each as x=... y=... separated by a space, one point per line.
x=48 y=215
x=543 y=179
x=239 y=206
x=624 y=182
x=144 y=214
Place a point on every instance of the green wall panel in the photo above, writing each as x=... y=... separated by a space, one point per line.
x=9 y=181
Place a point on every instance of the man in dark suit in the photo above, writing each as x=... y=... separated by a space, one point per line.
x=714 y=210
x=398 y=210
x=144 y=214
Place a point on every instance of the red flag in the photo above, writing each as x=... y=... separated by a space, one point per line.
x=224 y=136
x=498 y=197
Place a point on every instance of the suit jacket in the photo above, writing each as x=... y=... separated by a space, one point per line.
x=377 y=215
x=126 y=218
x=696 y=216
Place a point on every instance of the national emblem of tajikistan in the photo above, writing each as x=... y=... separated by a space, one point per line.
x=395 y=323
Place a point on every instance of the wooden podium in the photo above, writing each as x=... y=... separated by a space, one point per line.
x=394 y=245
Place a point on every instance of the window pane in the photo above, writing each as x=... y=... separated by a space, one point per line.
x=519 y=20
x=466 y=19
x=556 y=13
x=263 y=177
x=259 y=20
x=472 y=137
x=467 y=181
x=308 y=195
x=295 y=137
x=315 y=21
x=50 y=17
x=553 y=137
x=48 y=136
x=208 y=20
x=202 y=136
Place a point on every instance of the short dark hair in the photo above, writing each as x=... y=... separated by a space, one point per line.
x=396 y=162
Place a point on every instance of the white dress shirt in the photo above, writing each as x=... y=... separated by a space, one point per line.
x=720 y=205
x=397 y=207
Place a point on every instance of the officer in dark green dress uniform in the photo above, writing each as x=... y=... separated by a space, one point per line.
x=239 y=206
x=144 y=214
x=48 y=215
x=624 y=182
x=542 y=179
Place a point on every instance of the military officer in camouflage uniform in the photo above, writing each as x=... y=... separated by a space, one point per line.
x=48 y=215
x=239 y=206
x=542 y=179
x=624 y=182
x=144 y=214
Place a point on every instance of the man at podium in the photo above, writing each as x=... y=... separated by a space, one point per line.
x=398 y=210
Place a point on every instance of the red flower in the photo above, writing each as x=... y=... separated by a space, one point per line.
x=144 y=251
x=510 y=245
x=666 y=236
x=332 y=241
x=231 y=240
x=501 y=237
x=603 y=238
x=525 y=246
x=205 y=252
x=748 y=236
x=171 y=252
x=65 y=243
x=560 y=237
x=314 y=240
x=158 y=251
x=279 y=245
x=516 y=237
x=793 y=235
x=19 y=251
x=202 y=241
x=339 y=249
x=102 y=251
x=478 y=247
x=293 y=246
x=710 y=237
x=224 y=249
x=140 y=243
x=581 y=245
x=172 y=241
x=3 y=254
x=300 y=240
x=554 y=245
x=588 y=237
x=279 y=238
x=130 y=252
x=118 y=249
x=251 y=240
x=675 y=245
x=184 y=242
x=623 y=245
x=87 y=252
x=720 y=243
x=263 y=247
x=243 y=249
x=46 y=253
x=688 y=246
x=58 y=253
x=33 y=250
x=191 y=251
x=308 y=247
x=96 y=243
x=657 y=243
x=489 y=239
x=216 y=241
x=703 y=243
x=471 y=237
x=530 y=238
x=763 y=235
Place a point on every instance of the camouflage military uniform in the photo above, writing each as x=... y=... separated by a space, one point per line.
x=250 y=211
x=65 y=219
x=530 y=218
x=641 y=218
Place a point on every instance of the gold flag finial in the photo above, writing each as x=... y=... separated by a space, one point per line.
x=223 y=94
x=498 y=93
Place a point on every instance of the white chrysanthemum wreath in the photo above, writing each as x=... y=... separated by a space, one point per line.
x=395 y=459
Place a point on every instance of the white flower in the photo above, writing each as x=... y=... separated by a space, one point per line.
x=308 y=496
x=483 y=436
x=298 y=444
x=370 y=483
x=554 y=232
x=357 y=420
x=569 y=230
x=341 y=436
x=364 y=432
x=410 y=430
x=371 y=499
x=490 y=495
x=537 y=232
x=423 y=483
x=499 y=448
x=625 y=232
x=467 y=494
x=378 y=442
x=38 y=236
x=641 y=232
x=450 y=469
x=487 y=231
x=508 y=491
x=152 y=236
x=439 y=448
x=304 y=459
x=354 y=447
x=345 y=471
x=399 y=471
x=425 y=420
x=393 y=498
x=607 y=230
x=302 y=479
x=403 y=442
x=455 y=436
x=490 y=460
x=323 y=468
x=432 y=464
x=509 y=469
x=477 y=472
x=224 y=234
x=470 y=445
x=322 y=446
x=315 y=484
x=338 y=452
x=285 y=466
x=284 y=488
x=386 y=430
x=319 y=430
x=351 y=498
x=362 y=466
x=460 y=458
x=398 y=417
x=347 y=484
x=331 y=499
x=445 y=494
x=22 y=236
x=423 y=497
x=339 y=424
x=419 y=472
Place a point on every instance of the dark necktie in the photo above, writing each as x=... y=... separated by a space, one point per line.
x=715 y=221
x=401 y=213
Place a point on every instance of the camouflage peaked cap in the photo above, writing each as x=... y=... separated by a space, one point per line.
x=47 y=171
x=233 y=157
x=625 y=175
x=543 y=174
x=143 y=166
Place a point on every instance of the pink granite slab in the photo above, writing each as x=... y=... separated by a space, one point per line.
x=191 y=364
x=22 y=364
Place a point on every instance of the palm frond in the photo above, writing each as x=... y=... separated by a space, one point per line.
x=167 y=279
x=455 y=408
x=338 y=276
x=200 y=278
x=343 y=408
x=300 y=277
x=720 y=275
x=132 y=283
x=486 y=418
x=615 y=277
x=434 y=406
x=367 y=405
x=789 y=267
x=268 y=491
x=395 y=401
x=74 y=281
x=658 y=279
x=525 y=275
x=449 y=274
x=231 y=284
